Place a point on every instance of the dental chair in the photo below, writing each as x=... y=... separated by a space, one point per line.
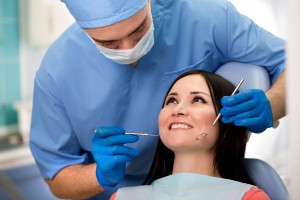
x=263 y=174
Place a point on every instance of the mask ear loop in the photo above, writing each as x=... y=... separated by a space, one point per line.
x=203 y=135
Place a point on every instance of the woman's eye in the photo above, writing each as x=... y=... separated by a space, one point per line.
x=198 y=99
x=170 y=100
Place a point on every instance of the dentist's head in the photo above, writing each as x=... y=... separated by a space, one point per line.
x=122 y=30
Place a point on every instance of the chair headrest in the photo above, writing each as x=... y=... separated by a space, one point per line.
x=256 y=77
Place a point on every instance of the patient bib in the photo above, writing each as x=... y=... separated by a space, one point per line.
x=187 y=186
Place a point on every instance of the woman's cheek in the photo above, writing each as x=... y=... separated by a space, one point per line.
x=161 y=120
x=204 y=119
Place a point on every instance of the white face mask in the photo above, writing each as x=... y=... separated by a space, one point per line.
x=128 y=56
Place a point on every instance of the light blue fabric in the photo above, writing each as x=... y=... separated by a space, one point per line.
x=99 y=13
x=77 y=89
x=186 y=186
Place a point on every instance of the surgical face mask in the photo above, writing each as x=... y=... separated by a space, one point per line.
x=128 y=56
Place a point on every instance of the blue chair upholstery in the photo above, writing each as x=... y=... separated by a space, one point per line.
x=266 y=178
x=263 y=174
x=255 y=76
x=24 y=183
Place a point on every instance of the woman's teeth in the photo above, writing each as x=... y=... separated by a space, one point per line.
x=180 y=126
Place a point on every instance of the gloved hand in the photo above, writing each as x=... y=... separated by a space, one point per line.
x=111 y=155
x=250 y=109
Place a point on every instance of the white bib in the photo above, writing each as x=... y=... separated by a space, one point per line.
x=186 y=186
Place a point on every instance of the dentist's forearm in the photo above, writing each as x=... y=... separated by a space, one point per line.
x=277 y=97
x=75 y=182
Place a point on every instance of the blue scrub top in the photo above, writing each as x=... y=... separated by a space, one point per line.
x=77 y=89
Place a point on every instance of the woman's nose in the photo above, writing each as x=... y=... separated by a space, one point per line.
x=179 y=110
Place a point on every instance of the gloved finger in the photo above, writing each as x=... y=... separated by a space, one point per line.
x=116 y=150
x=105 y=131
x=238 y=108
x=237 y=98
x=245 y=115
x=255 y=125
x=118 y=159
x=113 y=161
x=252 y=124
x=248 y=122
x=256 y=112
x=115 y=139
x=227 y=120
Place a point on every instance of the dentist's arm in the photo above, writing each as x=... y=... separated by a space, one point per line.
x=75 y=182
x=255 y=109
x=277 y=96
x=110 y=155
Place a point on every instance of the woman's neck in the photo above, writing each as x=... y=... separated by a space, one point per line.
x=194 y=163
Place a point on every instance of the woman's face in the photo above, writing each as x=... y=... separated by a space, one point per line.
x=188 y=111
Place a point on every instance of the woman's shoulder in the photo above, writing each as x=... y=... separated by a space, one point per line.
x=255 y=193
x=113 y=196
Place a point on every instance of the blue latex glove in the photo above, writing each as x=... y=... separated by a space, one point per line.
x=111 y=155
x=250 y=109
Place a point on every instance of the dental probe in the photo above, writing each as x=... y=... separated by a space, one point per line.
x=140 y=134
x=204 y=134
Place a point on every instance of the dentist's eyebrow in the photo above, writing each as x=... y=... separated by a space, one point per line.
x=140 y=26
x=135 y=30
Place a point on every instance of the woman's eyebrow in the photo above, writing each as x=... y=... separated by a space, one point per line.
x=173 y=94
x=196 y=92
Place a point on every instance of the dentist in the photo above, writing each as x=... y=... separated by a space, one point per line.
x=109 y=71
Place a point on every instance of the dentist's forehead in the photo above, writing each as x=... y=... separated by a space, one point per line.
x=99 y=13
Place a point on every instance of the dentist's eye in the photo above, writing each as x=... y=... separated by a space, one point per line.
x=140 y=30
x=106 y=43
x=170 y=100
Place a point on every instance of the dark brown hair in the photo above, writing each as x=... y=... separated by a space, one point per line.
x=230 y=146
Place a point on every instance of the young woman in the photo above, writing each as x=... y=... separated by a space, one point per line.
x=186 y=167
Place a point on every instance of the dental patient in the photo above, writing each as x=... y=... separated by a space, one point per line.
x=186 y=167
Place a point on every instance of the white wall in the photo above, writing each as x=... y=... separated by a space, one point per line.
x=41 y=22
x=269 y=14
x=293 y=82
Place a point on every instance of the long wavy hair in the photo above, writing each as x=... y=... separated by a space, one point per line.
x=231 y=143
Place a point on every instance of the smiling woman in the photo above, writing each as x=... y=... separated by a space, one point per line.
x=196 y=103
x=187 y=111
x=183 y=164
